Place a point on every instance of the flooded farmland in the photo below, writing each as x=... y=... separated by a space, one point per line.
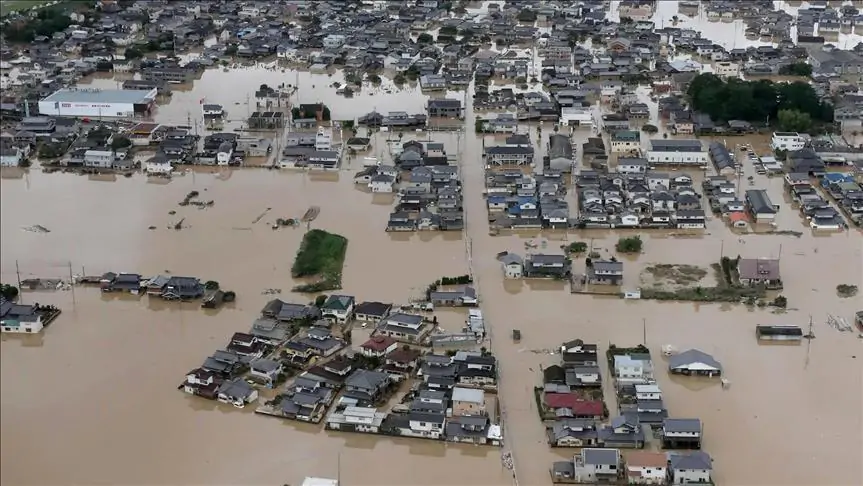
x=93 y=399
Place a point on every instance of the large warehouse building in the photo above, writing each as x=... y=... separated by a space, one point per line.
x=99 y=103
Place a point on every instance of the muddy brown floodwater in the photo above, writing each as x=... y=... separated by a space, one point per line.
x=93 y=399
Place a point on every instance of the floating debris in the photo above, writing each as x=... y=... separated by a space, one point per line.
x=179 y=224
x=311 y=214
x=151 y=228
x=37 y=228
x=261 y=216
x=284 y=222
x=271 y=291
x=188 y=199
x=839 y=323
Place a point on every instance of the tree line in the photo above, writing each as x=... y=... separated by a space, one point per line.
x=791 y=106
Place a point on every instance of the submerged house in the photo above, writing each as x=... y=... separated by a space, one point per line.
x=760 y=271
x=183 y=288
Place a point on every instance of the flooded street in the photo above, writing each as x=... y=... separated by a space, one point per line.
x=93 y=399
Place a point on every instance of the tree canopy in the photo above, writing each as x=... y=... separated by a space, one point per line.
x=47 y=22
x=754 y=101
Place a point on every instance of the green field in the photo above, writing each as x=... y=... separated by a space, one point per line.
x=9 y=6
x=321 y=255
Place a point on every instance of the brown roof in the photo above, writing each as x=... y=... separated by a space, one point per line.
x=758 y=268
x=379 y=343
x=402 y=355
x=646 y=459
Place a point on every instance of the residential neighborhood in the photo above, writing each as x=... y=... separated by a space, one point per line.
x=536 y=242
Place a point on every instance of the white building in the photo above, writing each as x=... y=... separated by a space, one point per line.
x=643 y=467
x=17 y=318
x=357 y=419
x=677 y=152
x=625 y=141
x=788 y=141
x=98 y=103
x=727 y=69
x=513 y=266
x=158 y=167
x=225 y=153
x=102 y=159
x=323 y=139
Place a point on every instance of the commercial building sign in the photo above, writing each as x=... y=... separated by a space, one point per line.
x=84 y=105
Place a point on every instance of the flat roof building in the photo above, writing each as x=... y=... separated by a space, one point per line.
x=81 y=103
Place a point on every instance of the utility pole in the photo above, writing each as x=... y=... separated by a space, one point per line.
x=721 y=249
x=809 y=343
x=18 y=278
x=644 y=331
x=72 y=285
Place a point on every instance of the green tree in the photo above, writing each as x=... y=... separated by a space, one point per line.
x=8 y=292
x=320 y=300
x=632 y=244
x=794 y=121
x=231 y=50
x=796 y=69
x=527 y=15
x=120 y=142
x=133 y=53
x=448 y=30
x=325 y=113
x=425 y=38
x=577 y=247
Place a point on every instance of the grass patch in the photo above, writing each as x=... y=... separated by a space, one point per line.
x=681 y=275
x=541 y=409
x=728 y=288
x=321 y=255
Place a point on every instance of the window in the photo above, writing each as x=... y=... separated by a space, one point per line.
x=29 y=329
x=7 y=329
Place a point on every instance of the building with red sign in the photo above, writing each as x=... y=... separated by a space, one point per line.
x=99 y=103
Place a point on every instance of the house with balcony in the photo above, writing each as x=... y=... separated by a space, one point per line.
x=202 y=383
x=590 y=466
x=692 y=468
x=605 y=272
x=339 y=308
x=539 y=265
x=507 y=155
x=403 y=327
x=681 y=433
x=572 y=433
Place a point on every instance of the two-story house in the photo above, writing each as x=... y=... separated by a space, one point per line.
x=339 y=308
x=605 y=272
x=468 y=401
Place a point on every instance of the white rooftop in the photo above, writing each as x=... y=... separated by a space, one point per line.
x=100 y=96
x=320 y=482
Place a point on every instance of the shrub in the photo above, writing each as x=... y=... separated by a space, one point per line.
x=577 y=247
x=632 y=244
